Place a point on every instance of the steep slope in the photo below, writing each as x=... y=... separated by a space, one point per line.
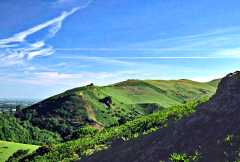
x=82 y=106
x=212 y=133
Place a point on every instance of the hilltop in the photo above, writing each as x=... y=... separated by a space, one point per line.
x=107 y=106
x=209 y=134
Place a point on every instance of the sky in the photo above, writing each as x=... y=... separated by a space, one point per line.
x=49 y=46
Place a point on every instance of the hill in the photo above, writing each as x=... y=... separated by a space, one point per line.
x=209 y=134
x=107 y=106
x=96 y=141
x=8 y=148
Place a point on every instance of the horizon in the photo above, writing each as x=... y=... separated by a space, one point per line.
x=47 y=47
x=46 y=97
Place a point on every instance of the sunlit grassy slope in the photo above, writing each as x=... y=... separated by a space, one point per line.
x=8 y=148
x=132 y=96
x=130 y=99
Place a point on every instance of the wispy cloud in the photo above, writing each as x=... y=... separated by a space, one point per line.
x=125 y=59
x=63 y=1
x=99 y=59
x=50 y=78
x=124 y=49
x=168 y=57
x=55 y=23
x=17 y=48
x=208 y=42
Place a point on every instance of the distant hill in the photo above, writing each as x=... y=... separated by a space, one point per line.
x=111 y=105
x=211 y=134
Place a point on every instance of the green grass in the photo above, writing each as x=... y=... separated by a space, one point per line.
x=129 y=94
x=89 y=144
x=129 y=98
x=8 y=148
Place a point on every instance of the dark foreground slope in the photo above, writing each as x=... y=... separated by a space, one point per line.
x=91 y=105
x=213 y=131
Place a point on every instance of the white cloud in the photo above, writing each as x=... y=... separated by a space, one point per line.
x=125 y=49
x=207 y=43
x=71 y=80
x=56 y=23
x=102 y=60
x=126 y=59
x=9 y=60
x=63 y=2
x=15 y=49
x=65 y=79
x=41 y=52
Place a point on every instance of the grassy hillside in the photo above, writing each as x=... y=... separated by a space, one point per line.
x=78 y=107
x=214 y=82
x=8 y=148
x=211 y=134
x=90 y=144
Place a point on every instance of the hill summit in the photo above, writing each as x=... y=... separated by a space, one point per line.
x=111 y=105
x=212 y=133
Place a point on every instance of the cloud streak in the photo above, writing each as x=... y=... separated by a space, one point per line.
x=18 y=48
x=56 y=23
x=120 y=59
x=125 y=49
x=208 y=42
x=97 y=59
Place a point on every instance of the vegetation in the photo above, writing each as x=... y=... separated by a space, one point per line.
x=91 y=143
x=91 y=118
x=76 y=108
x=12 y=129
x=8 y=148
x=178 y=157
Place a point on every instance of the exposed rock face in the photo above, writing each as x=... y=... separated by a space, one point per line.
x=227 y=97
x=207 y=131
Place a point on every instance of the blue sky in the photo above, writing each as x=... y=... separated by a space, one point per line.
x=49 y=46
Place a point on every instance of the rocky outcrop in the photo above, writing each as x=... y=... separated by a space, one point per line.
x=227 y=97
